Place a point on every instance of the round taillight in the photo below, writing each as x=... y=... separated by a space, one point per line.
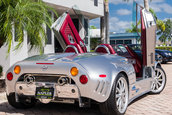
x=9 y=76
x=74 y=71
x=17 y=69
x=83 y=79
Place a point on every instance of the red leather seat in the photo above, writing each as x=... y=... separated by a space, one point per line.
x=138 y=64
x=101 y=50
x=105 y=48
x=112 y=51
x=74 y=48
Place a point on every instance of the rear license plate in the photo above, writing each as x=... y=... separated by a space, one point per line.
x=44 y=93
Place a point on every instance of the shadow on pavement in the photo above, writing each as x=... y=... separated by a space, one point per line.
x=139 y=98
x=52 y=109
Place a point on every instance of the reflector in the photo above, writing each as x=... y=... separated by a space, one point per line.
x=9 y=76
x=83 y=79
x=17 y=69
x=74 y=71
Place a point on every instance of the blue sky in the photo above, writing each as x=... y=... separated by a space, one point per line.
x=121 y=13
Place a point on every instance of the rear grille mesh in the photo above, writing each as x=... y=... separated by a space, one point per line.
x=46 y=78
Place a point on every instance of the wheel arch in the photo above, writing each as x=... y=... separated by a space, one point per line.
x=126 y=76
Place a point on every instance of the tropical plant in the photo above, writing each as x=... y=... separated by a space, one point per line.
x=93 y=27
x=133 y=28
x=24 y=15
x=167 y=33
x=159 y=23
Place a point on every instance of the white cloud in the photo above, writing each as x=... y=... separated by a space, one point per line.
x=117 y=25
x=166 y=8
x=120 y=2
x=157 y=1
x=162 y=7
x=123 y=12
x=156 y=5
x=131 y=1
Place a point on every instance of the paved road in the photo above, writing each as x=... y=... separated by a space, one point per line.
x=146 y=105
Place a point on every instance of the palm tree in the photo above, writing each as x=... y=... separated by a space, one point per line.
x=159 y=23
x=104 y=23
x=24 y=15
x=167 y=33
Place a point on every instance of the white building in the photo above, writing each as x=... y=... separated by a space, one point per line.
x=89 y=9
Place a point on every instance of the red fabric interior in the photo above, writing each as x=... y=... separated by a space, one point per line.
x=71 y=49
x=138 y=64
x=112 y=51
x=68 y=29
x=101 y=50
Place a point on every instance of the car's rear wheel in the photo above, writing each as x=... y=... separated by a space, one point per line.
x=159 y=81
x=23 y=102
x=118 y=100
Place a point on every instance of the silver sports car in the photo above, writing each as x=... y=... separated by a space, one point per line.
x=108 y=79
x=103 y=77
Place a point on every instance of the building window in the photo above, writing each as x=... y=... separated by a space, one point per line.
x=112 y=42
x=119 y=41
x=127 y=41
x=49 y=35
x=95 y=2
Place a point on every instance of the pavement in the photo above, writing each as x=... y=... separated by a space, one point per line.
x=160 y=104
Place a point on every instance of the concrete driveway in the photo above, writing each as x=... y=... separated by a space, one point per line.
x=146 y=105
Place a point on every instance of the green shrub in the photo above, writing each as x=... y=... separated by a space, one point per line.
x=169 y=48
x=1 y=70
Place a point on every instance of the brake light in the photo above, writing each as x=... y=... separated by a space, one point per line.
x=83 y=79
x=9 y=76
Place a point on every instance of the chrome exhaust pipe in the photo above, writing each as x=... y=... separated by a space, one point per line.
x=62 y=80
x=29 y=79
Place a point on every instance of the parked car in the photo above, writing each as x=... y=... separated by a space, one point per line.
x=170 y=54
x=110 y=80
x=136 y=48
x=106 y=78
x=166 y=56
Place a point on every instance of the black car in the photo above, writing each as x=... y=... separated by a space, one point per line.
x=166 y=56
x=170 y=54
x=136 y=48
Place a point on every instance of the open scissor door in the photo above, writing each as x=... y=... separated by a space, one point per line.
x=148 y=38
x=66 y=33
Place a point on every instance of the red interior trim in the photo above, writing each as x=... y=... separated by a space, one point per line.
x=143 y=39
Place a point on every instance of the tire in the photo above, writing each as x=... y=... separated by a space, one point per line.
x=110 y=107
x=22 y=104
x=159 y=82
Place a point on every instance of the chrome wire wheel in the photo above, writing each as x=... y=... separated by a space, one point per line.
x=159 y=81
x=121 y=95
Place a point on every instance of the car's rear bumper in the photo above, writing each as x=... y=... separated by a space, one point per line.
x=65 y=91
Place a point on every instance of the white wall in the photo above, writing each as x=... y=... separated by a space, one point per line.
x=4 y=60
x=21 y=53
x=86 y=7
